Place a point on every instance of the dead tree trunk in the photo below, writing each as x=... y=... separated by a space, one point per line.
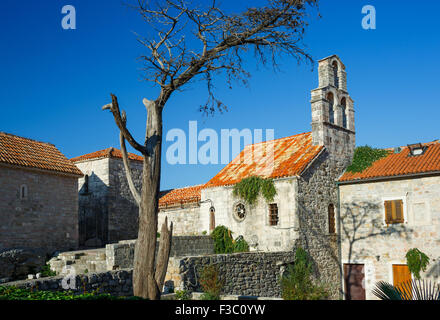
x=149 y=270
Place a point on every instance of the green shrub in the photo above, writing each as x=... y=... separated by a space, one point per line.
x=183 y=295
x=224 y=243
x=417 y=261
x=249 y=188
x=47 y=272
x=13 y=293
x=364 y=157
x=209 y=296
x=210 y=282
x=297 y=283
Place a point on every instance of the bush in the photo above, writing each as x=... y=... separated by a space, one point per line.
x=183 y=295
x=224 y=243
x=417 y=261
x=13 y=293
x=249 y=188
x=47 y=272
x=211 y=283
x=297 y=283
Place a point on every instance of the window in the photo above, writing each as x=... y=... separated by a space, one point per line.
x=240 y=211
x=211 y=218
x=23 y=192
x=330 y=99
x=273 y=214
x=344 y=112
x=86 y=183
x=335 y=74
x=416 y=149
x=331 y=219
x=393 y=211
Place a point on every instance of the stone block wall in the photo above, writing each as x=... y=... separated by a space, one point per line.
x=186 y=220
x=123 y=212
x=250 y=273
x=255 y=228
x=46 y=218
x=121 y=255
x=316 y=191
x=116 y=283
x=367 y=240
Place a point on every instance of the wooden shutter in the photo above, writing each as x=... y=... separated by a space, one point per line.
x=393 y=211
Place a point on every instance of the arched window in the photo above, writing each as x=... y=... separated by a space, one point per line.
x=23 y=192
x=211 y=218
x=335 y=74
x=330 y=99
x=331 y=219
x=86 y=183
x=344 y=112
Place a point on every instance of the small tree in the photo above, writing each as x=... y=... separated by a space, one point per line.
x=189 y=42
x=297 y=283
x=417 y=261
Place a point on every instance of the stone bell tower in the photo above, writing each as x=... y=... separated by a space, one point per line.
x=332 y=111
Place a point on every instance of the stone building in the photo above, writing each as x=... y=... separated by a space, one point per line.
x=304 y=168
x=107 y=210
x=38 y=196
x=387 y=209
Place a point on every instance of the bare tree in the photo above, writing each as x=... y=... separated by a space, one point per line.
x=193 y=42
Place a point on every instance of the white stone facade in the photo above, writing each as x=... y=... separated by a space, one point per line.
x=366 y=239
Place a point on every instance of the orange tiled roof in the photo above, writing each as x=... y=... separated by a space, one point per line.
x=181 y=196
x=107 y=153
x=400 y=164
x=23 y=152
x=291 y=155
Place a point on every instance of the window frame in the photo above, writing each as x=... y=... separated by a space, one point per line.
x=269 y=221
x=404 y=210
x=23 y=195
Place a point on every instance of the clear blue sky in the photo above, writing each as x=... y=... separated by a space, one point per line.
x=53 y=82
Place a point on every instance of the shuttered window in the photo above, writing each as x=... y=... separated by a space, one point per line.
x=273 y=214
x=394 y=211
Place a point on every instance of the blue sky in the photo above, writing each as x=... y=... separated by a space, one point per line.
x=53 y=82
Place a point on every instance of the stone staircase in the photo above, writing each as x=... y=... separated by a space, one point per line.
x=84 y=261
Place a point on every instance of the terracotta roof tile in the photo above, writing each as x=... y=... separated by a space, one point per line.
x=180 y=196
x=106 y=153
x=400 y=164
x=291 y=155
x=23 y=152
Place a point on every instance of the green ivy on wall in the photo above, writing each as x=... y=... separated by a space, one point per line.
x=364 y=157
x=249 y=188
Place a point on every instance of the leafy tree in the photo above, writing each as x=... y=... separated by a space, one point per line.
x=417 y=261
x=195 y=41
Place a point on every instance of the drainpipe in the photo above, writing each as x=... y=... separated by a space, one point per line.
x=341 y=273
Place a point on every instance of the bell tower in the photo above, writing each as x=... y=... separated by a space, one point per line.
x=332 y=111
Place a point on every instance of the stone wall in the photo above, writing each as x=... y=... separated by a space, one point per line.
x=123 y=211
x=250 y=273
x=186 y=220
x=255 y=228
x=366 y=239
x=121 y=255
x=46 y=218
x=117 y=283
x=316 y=191
x=93 y=202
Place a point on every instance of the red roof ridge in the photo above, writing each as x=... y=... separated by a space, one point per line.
x=24 y=138
x=110 y=152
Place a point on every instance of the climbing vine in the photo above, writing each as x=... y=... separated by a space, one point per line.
x=249 y=188
x=364 y=157
x=417 y=261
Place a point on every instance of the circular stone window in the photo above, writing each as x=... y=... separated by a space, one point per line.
x=239 y=211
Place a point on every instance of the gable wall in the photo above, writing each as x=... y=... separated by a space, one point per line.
x=47 y=218
x=255 y=227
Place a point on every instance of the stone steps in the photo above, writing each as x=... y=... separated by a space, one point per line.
x=84 y=261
